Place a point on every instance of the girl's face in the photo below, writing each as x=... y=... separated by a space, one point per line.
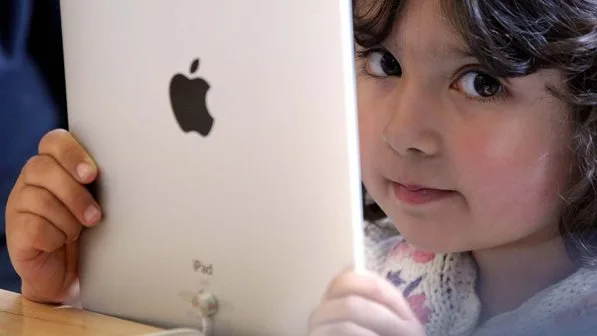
x=458 y=159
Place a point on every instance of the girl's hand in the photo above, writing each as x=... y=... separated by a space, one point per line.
x=364 y=305
x=45 y=213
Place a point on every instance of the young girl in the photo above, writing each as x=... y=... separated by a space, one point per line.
x=478 y=123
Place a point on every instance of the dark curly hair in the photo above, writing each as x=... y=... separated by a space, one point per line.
x=516 y=38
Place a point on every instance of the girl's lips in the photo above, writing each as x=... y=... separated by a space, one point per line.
x=418 y=195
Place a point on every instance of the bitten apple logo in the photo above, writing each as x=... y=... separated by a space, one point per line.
x=188 y=99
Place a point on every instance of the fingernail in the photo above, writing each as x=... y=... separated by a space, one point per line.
x=83 y=170
x=91 y=215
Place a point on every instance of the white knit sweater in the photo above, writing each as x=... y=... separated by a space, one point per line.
x=440 y=289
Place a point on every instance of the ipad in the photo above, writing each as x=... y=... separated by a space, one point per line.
x=226 y=136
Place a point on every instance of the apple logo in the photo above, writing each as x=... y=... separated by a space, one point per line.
x=188 y=101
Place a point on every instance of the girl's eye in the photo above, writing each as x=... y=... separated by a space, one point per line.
x=479 y=85
x=381 y=63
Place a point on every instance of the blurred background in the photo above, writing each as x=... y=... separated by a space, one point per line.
x=32 y=95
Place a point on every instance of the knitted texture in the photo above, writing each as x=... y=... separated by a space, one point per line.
x=440 y=289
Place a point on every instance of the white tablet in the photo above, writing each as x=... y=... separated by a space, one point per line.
x=226 y=136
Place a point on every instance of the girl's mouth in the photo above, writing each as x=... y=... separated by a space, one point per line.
x=418 y=195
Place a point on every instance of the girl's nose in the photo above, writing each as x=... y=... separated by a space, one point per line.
x=412 y=130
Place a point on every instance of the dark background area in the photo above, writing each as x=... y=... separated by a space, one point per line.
x=32 y=95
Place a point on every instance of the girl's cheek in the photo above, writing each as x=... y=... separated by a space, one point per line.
x=519 y=176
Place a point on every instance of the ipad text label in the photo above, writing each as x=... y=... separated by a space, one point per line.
x=199 y=266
